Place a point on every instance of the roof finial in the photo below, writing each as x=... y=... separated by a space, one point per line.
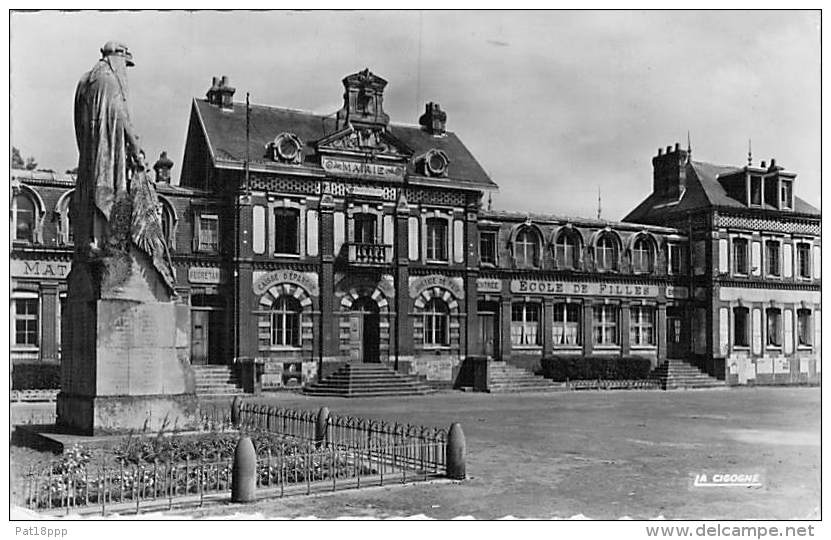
x=749 y=154
x=689 y=147
x=599 y=208
x=490 y=201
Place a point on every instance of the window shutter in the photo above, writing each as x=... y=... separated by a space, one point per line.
x=311 y=233
x=757 y=331
x=817 y=263
x=723 y=330
x=388 y=230
x=458 y=241
x=197 y=225
x=258 y=232
x=787 y=260
x=788 y=331
x=413 y=224
x=340 y=231
x=723 y=257
x=756 y=258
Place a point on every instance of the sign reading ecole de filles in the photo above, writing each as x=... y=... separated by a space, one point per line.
x=533 y=286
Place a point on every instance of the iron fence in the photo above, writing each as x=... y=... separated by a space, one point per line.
x=342 y=431
x=132 y=488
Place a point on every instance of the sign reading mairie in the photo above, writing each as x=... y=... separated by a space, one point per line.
x=40 y=269
x=576 y=288
x=453 y=284
x=357 y=169
x=265 y=280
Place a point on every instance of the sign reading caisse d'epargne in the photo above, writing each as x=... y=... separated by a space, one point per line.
x=533 y=286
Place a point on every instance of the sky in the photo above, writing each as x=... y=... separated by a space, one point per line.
x=557 y=106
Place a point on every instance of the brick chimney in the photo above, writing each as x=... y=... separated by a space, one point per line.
x=221 y=94
x=162 y=168
x=669 y=175
x=434 y=119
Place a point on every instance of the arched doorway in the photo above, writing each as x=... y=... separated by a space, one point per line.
x=364 y=331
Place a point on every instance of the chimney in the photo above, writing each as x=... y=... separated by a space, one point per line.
x=434 y=120
x=162 y=168
x=221 y=94
x=669 y=175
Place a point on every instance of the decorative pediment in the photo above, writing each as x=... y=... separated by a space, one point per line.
x=364 y=142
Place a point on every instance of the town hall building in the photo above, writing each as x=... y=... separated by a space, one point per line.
x=303 y=243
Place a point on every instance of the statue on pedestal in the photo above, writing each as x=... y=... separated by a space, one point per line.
x=125 y=362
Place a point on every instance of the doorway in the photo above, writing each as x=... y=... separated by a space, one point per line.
x=676 y=342
x=365 y=331
x=488 y=328
x=207 y=327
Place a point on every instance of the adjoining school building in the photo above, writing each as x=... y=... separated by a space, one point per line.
x=303 y=243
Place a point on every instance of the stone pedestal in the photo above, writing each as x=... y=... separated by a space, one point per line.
x=120 y=367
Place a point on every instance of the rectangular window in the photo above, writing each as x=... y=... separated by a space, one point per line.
x=25 y=321
x=677 y=263
x=803 y=260
x=208 y=232
x=786 y=196
x=605 y=319
x=286 y=231
x=740 y=256
x=436 y=239
x=756 y=190
x=487 y=247
x=772 y=258
x=436 y=321
x=774 y=328
x=525 y=324
x=365 y=228
x=642 y=326
x=803 y=327
x=741 y=327
x=567 y=324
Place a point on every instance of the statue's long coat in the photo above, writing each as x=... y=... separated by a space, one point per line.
x=101 y=121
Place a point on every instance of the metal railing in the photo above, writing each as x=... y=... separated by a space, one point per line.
x=133 y=488
x=341 y=431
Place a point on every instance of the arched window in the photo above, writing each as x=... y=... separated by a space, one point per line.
x=65 y=219
x=436 y=318
x=567 y=250
x=642 y=255
x=24 y=216
x=526 y=248
x=606 y=252
x=285 y=322
x=168 y=220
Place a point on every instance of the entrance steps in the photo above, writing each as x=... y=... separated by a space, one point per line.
x=368 y=380
x=676 y=374
x=504 y=377
x=214 y=380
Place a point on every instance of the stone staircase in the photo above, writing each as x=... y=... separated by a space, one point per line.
x=368 y=380
x=503 y=377
x=213 y=380
x=676 y=374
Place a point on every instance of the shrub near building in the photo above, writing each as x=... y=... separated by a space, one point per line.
x=574 y=368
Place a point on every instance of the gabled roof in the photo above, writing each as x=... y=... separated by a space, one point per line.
x=704 y=190
x=224 y=131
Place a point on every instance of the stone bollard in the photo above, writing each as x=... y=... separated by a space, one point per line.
x=321 y=426
x=455 y=452
x=236 y=411
x=244 y=473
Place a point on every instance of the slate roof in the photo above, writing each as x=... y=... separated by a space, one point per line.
x=503 y=215
x=225 y=133
x=703 y=191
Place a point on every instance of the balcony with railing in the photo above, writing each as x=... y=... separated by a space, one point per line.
x=362 y=253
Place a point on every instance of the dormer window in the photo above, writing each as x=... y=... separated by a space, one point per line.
x=755 y=191
x=786 y=195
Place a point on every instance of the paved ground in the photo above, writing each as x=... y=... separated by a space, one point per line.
x=600 y=454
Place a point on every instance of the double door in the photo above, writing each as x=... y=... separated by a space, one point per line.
x=364 y=332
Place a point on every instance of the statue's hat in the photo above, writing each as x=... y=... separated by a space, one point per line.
x=119 y=49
